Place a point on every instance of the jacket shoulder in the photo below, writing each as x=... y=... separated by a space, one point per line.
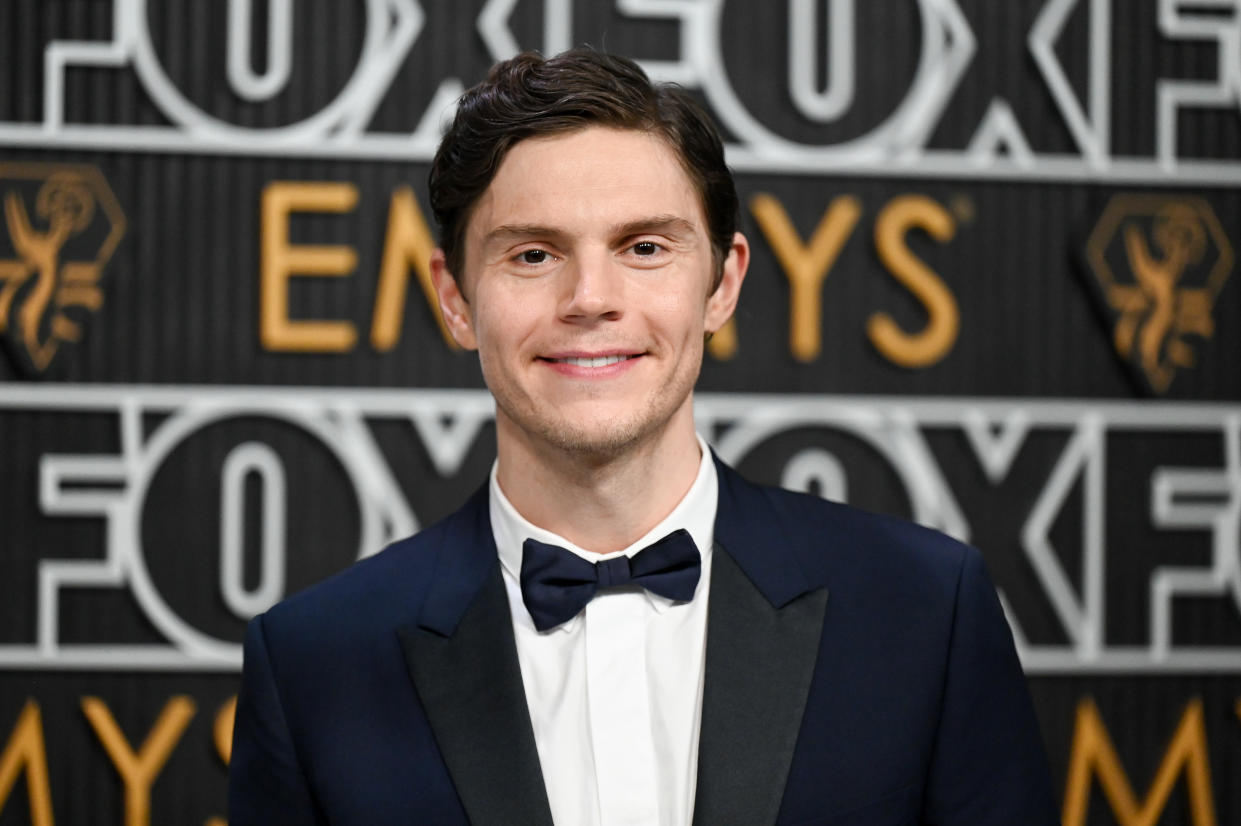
x=848 y=549
x=879 y=533
x=385 y=591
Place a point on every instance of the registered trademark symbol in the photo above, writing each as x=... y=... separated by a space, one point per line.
x=962 y=207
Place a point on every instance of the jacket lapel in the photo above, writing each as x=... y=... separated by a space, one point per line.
x=463 y=661
x=763 y=630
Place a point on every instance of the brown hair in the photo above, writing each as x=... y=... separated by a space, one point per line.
x=528 y=96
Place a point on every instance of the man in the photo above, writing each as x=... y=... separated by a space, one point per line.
x=588 y=249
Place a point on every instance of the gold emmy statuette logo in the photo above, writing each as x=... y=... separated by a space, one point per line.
x=61 y=225
x=1160 y=262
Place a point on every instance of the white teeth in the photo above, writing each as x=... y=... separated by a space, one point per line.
x=602 y=361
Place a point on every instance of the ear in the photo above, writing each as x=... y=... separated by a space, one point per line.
x=722 y=302
x=453 y=304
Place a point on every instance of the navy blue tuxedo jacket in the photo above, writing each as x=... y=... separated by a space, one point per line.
x=859 y=671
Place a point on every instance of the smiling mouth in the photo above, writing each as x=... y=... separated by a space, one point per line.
x=600 y=361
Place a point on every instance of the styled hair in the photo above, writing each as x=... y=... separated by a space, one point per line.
x=529 y=96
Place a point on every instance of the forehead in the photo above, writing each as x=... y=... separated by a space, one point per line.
x=585 y=180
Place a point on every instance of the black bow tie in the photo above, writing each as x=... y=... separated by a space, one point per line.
x=556 y=583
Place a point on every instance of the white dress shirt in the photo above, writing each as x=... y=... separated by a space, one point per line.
x=615 y=693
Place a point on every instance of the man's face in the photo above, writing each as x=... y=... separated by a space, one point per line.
x=588 y=290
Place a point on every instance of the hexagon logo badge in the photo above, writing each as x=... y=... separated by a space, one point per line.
x=61 y=226
x=1159 y=262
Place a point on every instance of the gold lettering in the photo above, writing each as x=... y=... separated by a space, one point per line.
x=222 y=733
x=1092 y=751
x=281 y=260
x=806 y=265
x=408 y=245
x=26 y=749
x=933 y=342
x=223 y=729
x=138 y=770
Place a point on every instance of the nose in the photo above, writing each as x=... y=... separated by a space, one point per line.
x=594 y=289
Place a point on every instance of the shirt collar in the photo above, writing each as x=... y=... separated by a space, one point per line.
x=695 y=513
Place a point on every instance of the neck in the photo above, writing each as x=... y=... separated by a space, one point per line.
x=600 y=503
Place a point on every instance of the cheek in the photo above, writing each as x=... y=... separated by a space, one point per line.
x=503 y=326
x=679 y=316
x=677 y=297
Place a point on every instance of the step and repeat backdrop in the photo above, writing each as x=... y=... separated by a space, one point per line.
x=993 y=291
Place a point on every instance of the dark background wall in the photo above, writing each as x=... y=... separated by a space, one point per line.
x=992 y=291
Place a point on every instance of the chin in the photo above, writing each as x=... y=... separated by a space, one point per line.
x=599 y=436
x=602 y=441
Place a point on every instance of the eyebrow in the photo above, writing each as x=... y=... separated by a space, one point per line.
x=516 y=232
x=672 y=224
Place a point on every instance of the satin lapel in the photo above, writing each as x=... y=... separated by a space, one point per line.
x=760 y=659
x=470 y=686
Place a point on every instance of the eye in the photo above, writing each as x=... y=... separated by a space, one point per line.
x=533 y=256
x=646 y=248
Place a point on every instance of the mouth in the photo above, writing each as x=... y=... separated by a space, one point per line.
x=581 y=365
x=593 y=361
